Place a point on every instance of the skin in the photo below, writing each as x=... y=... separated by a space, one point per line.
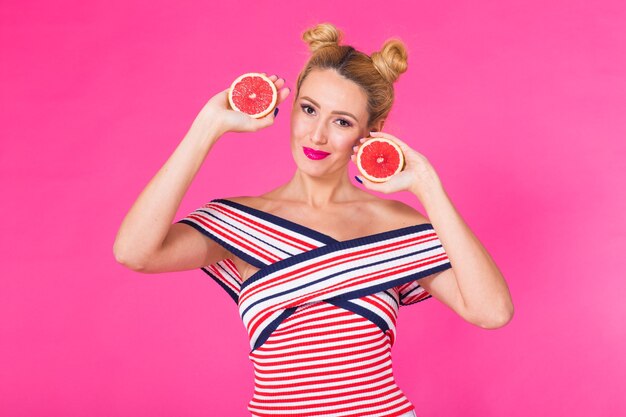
x=320 y=195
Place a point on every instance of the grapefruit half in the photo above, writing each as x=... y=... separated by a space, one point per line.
x=254 y=94
x=378 y=159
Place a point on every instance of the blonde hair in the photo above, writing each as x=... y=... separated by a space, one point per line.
x=375 y=74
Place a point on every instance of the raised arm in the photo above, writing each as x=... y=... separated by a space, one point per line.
x=474 y=287
x=147 y=241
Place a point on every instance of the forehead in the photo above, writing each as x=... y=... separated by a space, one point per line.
x=334 y=92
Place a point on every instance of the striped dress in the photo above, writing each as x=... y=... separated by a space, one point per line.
x=320 y=313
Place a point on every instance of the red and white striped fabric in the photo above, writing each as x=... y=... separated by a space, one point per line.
x=320 y=313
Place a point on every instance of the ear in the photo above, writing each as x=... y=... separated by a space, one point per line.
x=378 y=126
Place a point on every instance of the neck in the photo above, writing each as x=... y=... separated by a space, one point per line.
x=319 y=191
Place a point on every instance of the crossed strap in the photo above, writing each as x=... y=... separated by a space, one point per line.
x=300 y=266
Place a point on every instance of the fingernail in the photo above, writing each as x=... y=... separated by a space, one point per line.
x=358 y=179
x=275 y=111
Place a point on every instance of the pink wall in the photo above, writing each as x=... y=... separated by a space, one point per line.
x=520 y=106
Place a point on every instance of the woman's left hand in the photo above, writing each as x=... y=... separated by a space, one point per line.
x=418 y=175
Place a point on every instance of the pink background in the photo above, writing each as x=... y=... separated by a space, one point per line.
x=520 y=106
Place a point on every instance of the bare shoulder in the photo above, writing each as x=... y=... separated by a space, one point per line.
x=257 y=202
x=364 y=215
x=395 y=213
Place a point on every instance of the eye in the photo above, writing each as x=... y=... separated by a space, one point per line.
x=347 y=124
x=308 y=109
x=305 y=107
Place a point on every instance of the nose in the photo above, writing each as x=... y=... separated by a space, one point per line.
x=318 y=136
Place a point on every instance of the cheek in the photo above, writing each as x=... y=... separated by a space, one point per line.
x=298 y=125
x=346 y=141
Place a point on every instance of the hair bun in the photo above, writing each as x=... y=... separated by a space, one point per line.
x=323 y=34
x=391 y=60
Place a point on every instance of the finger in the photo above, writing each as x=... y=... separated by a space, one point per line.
x=264 y=122
x=279 y=82
x=282 y=95
x=356 y=147
x=382 y=135
x=224 y=93
x=400 y=142
x=224 y=97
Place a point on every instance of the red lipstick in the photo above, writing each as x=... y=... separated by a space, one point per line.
x=313 y=154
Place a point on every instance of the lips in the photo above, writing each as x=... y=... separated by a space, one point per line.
x=313 y=154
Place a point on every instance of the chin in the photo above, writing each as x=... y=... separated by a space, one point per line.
x=319 y=171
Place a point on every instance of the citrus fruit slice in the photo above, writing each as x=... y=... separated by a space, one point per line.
x=254 y=94
x=378 y=159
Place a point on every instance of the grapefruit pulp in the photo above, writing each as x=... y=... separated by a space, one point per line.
x=378 y=159
x=253 y=93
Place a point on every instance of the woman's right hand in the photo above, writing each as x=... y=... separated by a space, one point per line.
x=218 y=110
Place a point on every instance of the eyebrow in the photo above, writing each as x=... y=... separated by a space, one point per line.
x=333 y=112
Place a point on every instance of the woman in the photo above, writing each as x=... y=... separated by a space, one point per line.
x=318 y=267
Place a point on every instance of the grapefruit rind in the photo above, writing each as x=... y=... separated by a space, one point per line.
x=362 y=170
x=265 y=78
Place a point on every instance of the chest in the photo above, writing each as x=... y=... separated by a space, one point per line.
x=343 y=223
x=338 y=226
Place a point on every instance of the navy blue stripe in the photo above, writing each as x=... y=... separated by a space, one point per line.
x=392 y=297
x=250 y=259
x=269 y=329
x=390 y=284
x=272 y=218
x=230 y=226
x=335 y=247
x=230 y=292
x=327 y=277
x=408 y=293
x=417 y=301
x=227 y=272
x=361 y=311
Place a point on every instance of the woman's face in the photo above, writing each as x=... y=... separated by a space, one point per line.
x=329 y=116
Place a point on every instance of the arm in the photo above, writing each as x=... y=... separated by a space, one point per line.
x=147 y=241
x=474 y=287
